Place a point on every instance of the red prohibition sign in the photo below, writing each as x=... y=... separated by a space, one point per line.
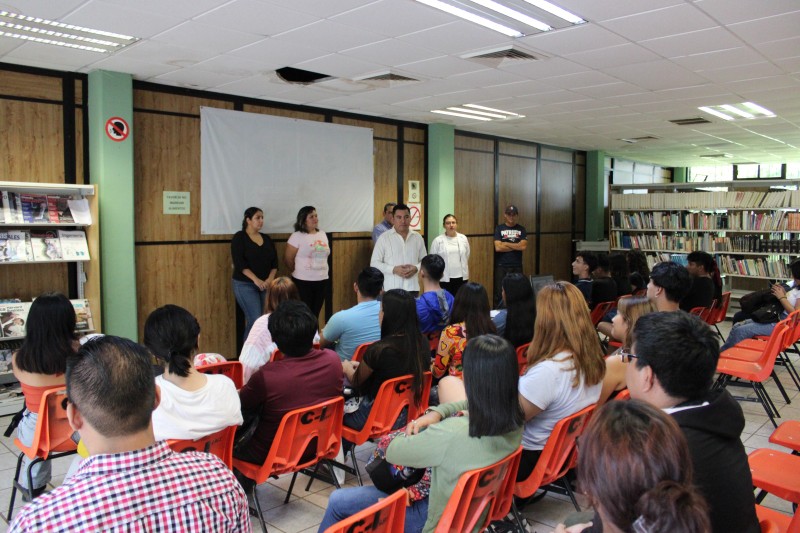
x=414 y=216
x=117 y=129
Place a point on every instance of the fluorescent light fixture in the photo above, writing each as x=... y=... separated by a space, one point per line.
x=755 y=108
x=463 y=115
x=59 y=34
x=716 y=113
x=557 y=11
x=476 y=106
x=474 y=112
x=514 y=14
x=466 y=15
x=737 y=111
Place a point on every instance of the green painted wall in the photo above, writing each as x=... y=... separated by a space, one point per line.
x=111 y=169
x=594 y=195
x=441 y=177
x=680 y=175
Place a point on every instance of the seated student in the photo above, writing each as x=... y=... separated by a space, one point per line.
x=305 y=376
x=402 y=350
x=630 y=309
x=192 y=404
x=789 y=300
x=604 y=289
x=470 y=318
x=487 y=431
x=350 y=328
x=706 y=283
x=640 y=271
x=582 y=268
x=672 y=366
x=669 y=284
x=515 y=322
x=618 y=268
x=435 y=303
x=655 y=494
x=131 y=482
x=258 y=346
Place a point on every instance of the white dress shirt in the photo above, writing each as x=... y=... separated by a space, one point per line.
x=392 y=250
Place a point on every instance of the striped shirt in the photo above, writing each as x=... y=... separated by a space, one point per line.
x=153 y=489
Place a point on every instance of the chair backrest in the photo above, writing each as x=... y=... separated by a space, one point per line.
x=477 y=490
x=522 y=357
x=624 y=394
x=794 y=322
x=775 y=344
x=321 y=423
x=231 y=369
x=277 y=355
x=702 y=312
x=600 y=310
x=558 y=454
x=768 y=526
x=720 y=311
x=386 y=516
x=359 y=353
x=53 y=433
x=219 y=444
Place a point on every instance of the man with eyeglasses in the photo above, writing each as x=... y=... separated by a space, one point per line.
x=671 y=365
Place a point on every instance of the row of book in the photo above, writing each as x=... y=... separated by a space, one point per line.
x=18 y=208
x=14 y=317
x=694 y=221
x=708 y=200
x=765 y=268
x=705 y=242
x=17 y=246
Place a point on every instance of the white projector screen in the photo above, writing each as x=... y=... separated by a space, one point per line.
x=279 y=165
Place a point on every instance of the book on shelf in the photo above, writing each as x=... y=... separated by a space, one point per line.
x=13 y=317
x=12 y=211
x=46 y=245
x=708 y=200
x=17 y=246
x=73 y=245
x=83 y=315
x=34 y=208
x=62 y=212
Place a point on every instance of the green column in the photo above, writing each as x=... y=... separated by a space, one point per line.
x=594 y=195
x=441 y=177
x=111 y=169
x=680 y=175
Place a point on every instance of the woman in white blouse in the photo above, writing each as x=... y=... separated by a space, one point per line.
x=454 y=249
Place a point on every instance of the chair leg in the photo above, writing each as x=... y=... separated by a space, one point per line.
x=780 y=388
x=721 y=336
x=291 y=486
x=517 y=515
x=14 y=487
x=565 y=482
x=258 y=509
x=355 y=465
x=787 y=363
x=312 y=477
x=764 y=402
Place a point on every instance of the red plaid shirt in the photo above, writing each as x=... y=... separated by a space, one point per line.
x=154 y=489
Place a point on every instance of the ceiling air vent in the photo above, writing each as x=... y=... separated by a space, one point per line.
x=716 y=156
x=500 y=56
x=300 y=76
x=632 y=140
x=388 y=79
x=690 y=121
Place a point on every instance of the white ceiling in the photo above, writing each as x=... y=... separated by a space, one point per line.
x=633 y=67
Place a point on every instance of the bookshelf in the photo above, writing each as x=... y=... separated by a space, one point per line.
x=752 y=228
x=60 y=223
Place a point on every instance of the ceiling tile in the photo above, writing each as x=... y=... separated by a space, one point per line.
x=544 y=68
x=673 y=20
x=582 y=79
x=613 y=56
x=609 y=90
x=768 y=29
x=192 y=77
x=339 y=65
x=65 y=58
x=332 y=36
x=457 y=38
x=235 y=66
x=263 y=86
x=782 y=49
x=733 y=11
x=391 y=52
x=742 y=72
x=656 y=75
x=121 y=19
x=183 y=9
x=141 y=70
x=155 y=52
x=441 y=67
x=258 y=18
x=393 y=18
x=275 y=54
x=719 y=59
x=206 y=37
x=572 y=40
x=320 y=8
x=695 y=42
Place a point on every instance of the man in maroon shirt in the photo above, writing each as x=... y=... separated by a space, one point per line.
x=304 y=377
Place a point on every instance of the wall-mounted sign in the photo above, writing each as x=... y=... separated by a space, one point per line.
x=117 y=129
x=177 y=203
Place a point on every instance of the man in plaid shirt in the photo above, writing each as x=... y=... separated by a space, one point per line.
x=130 y=482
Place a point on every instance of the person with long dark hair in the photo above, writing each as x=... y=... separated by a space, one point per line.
x=306 y=258
x=515 y=322
x=192 y=405
x=39 y=366
x=255 y=263
x=469 y=318
x=639 y=270
x=402 y=350
x=706 y=285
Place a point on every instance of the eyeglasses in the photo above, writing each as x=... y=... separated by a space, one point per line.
x=626 y=356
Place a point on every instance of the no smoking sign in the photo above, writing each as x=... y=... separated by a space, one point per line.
x=117 y=129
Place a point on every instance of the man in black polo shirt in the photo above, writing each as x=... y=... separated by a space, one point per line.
x=510 y=240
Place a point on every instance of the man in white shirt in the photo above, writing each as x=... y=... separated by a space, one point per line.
x=398 y=253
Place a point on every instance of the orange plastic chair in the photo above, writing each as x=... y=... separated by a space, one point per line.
x=277 y=355
x=232 y=369
x=702 y=312
x=788 y=435
x=359 y=353
x=775 y=473
x=393 y=396
x=558 y=456
x=51 y=439
x=624 y=394
x=219 y=444
x=320 y=423
x=490 y=487
x=793 y=320
x=756 y=372
x=780 y=522
x=386 y=516
x=600 y=311
x=719 y=313
x=522 y=357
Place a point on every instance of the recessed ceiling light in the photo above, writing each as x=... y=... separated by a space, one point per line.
x=466 y=15
x=745 y=110
x=55 y=33
x=478 y=112
x=557 y=11
x=716 y=113
x=476 y=106
x=463 y=115
x=758 y=109
x=736 y=111
x=514 y=14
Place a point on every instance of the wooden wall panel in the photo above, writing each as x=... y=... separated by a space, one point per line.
x=580 y=200
x=474 y=192
x=288 y=113
x=414 y=169
x=196 y=277
x=349 y=257
x=174 y=103
x=556 y=200
x=385 y=131
x=511 y=148
x=481 y=261
x=79 y=140
x=385 y=174
x=473 y=143
x=32 y=142
x=414 y=134
x=30 y=85
x=529 y=256
x=556 y=258
x=518 y=187
x=28 y=281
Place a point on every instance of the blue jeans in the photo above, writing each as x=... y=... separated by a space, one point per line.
x=344 y=503
x=746 y=329
x=41 y=471
x=251 y=300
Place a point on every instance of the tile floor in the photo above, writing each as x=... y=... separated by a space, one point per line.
x=304 y=511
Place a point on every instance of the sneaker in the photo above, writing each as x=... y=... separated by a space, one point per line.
x=352 y=405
